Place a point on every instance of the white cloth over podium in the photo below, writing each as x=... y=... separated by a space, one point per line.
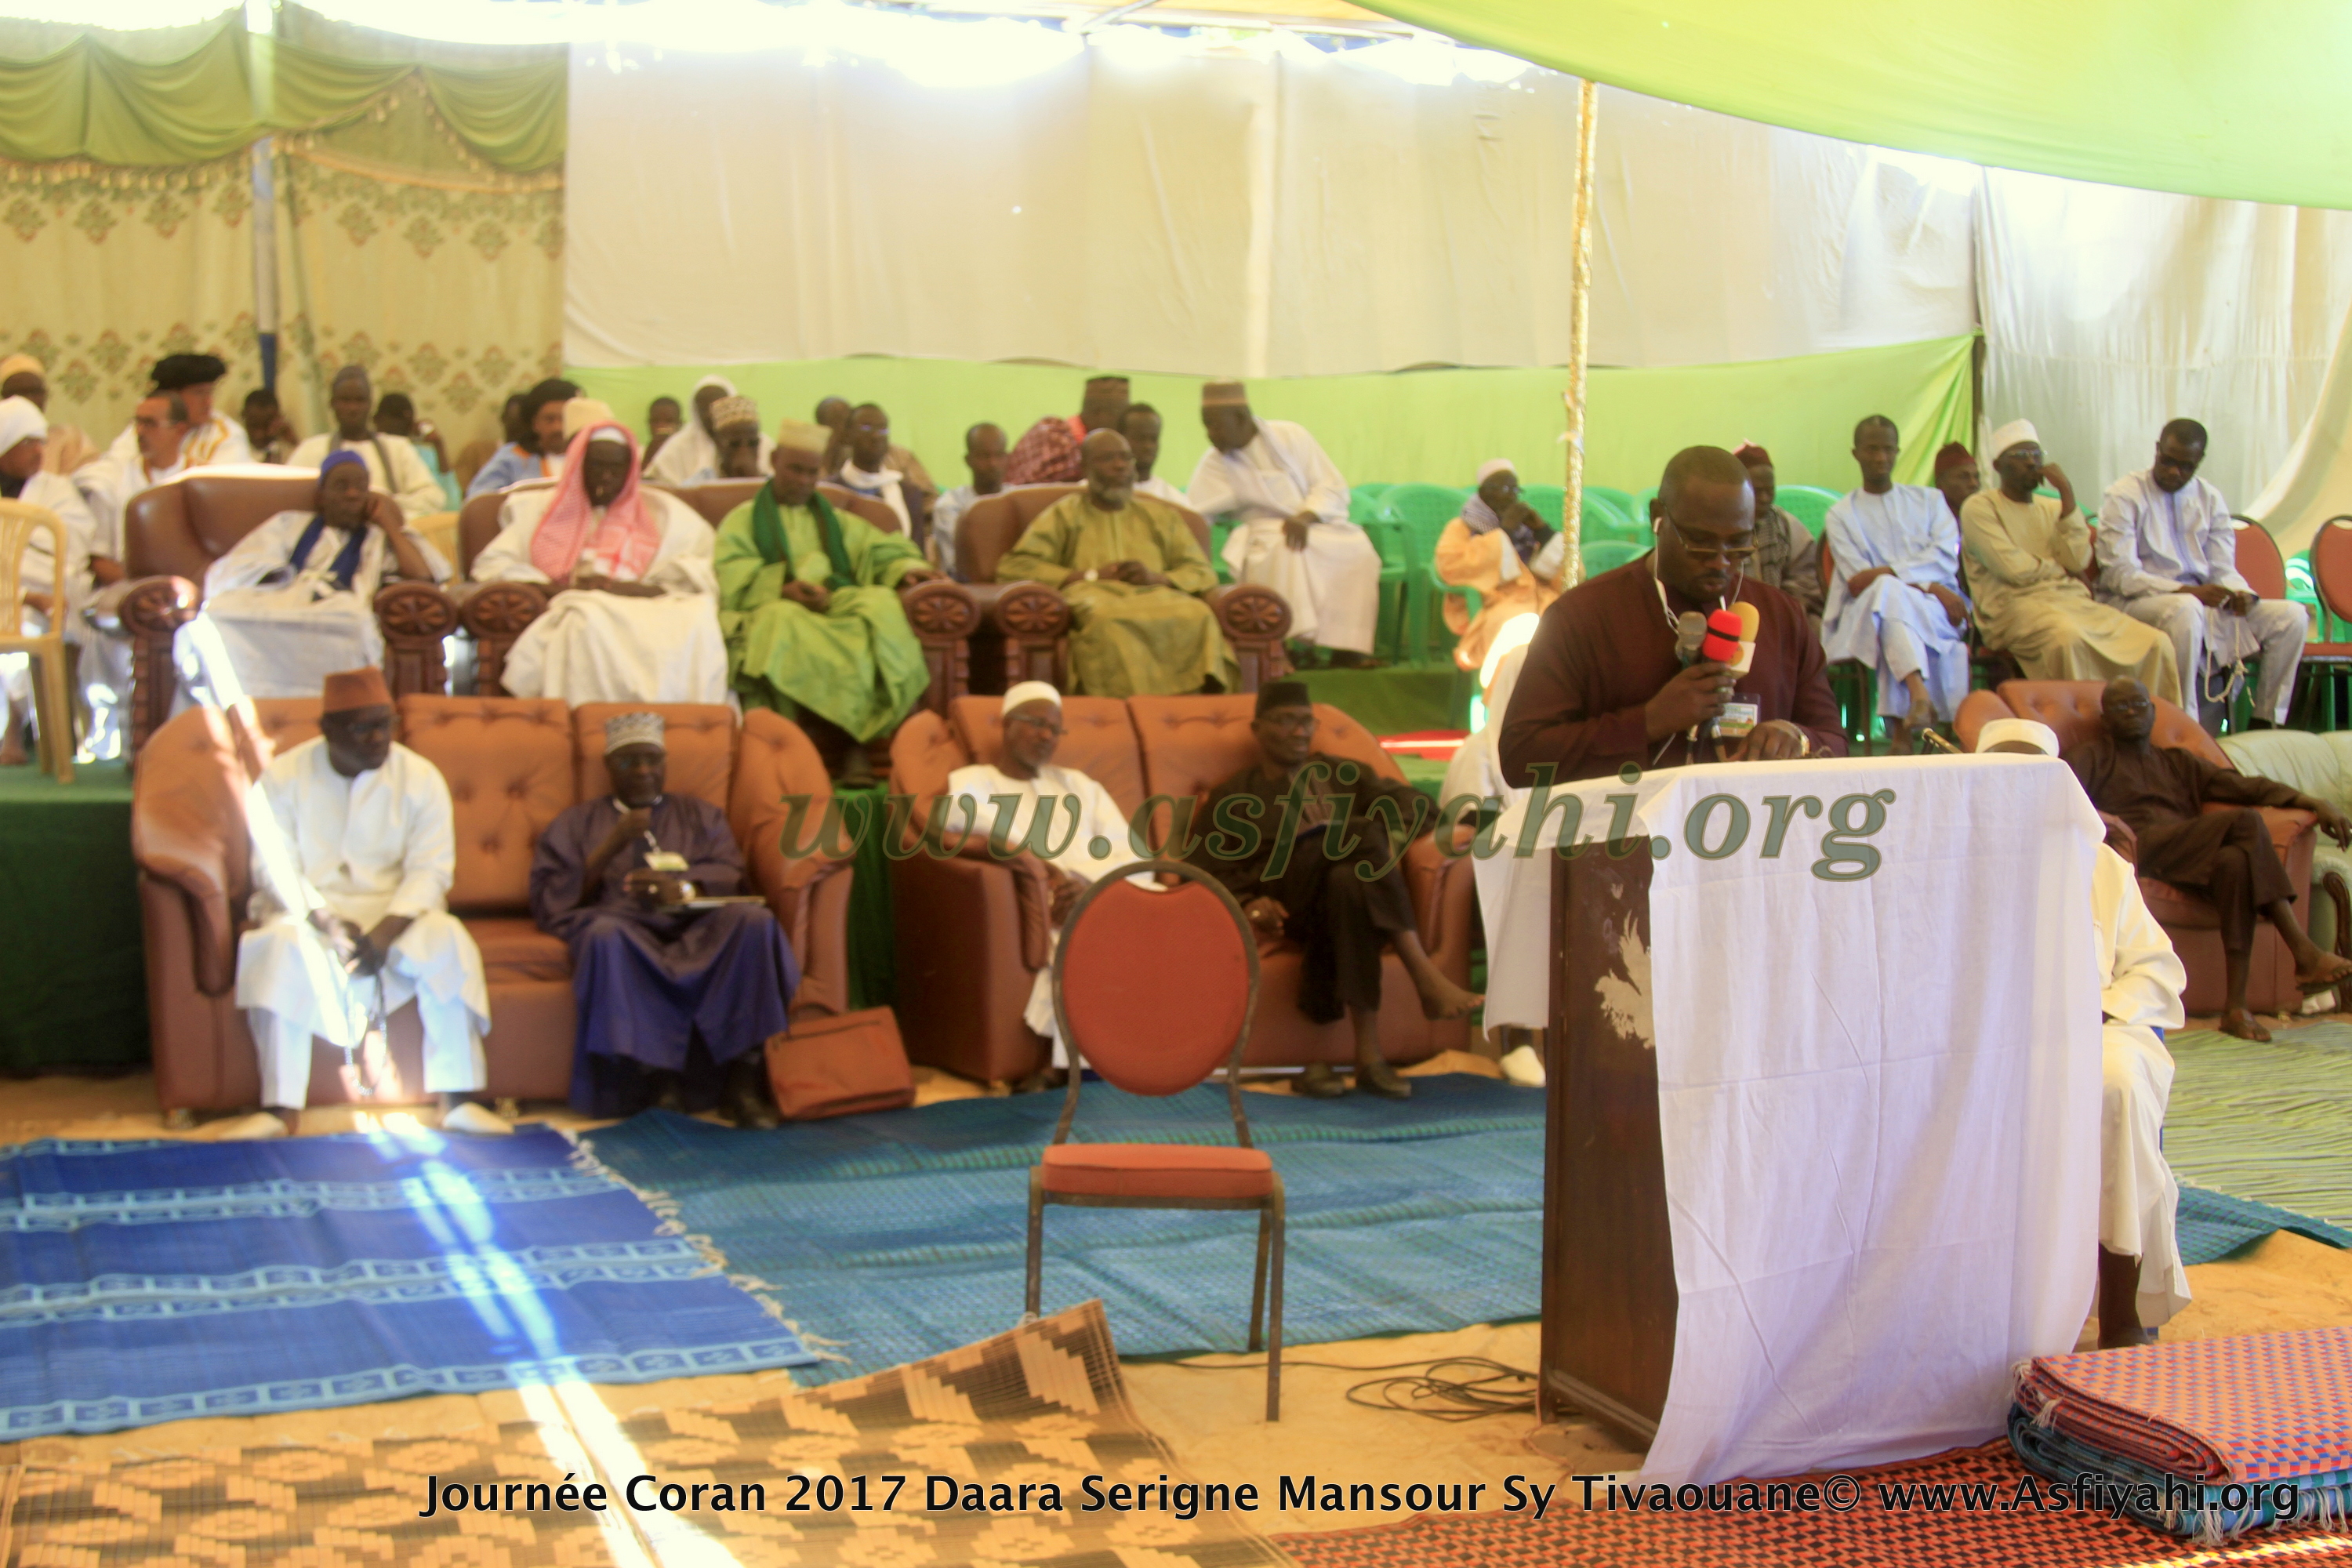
x=1879 y=1098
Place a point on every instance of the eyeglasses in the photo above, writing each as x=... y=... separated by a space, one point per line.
x=1736 y=555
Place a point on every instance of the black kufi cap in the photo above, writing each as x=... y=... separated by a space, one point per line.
x=1283 y=694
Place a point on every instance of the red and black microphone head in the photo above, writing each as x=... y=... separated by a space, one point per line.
x=1723 y=636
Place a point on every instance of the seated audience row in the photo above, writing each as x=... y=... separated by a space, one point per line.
x=676 y=988
x=2169 y=607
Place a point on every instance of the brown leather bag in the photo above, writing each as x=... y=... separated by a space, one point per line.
x=841 y=1066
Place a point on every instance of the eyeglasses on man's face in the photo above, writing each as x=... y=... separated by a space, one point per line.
x=1731 y=555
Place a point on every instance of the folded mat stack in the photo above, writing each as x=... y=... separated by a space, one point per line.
x=2205 y=1437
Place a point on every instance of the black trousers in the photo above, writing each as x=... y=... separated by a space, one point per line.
x=1342 y=920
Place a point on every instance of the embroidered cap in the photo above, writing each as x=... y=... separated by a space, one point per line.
x=633 y=730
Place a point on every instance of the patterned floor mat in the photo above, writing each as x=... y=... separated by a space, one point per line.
x=2272 y=1122
x=1041 y=1404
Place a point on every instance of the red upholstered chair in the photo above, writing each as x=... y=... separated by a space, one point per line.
x=1158 y=1029
x=2326 y=661
x=173 y=533
x=940 y=613
x=2070 y=708
x=1032 y=622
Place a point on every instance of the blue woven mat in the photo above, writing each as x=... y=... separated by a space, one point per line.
x=148 y=1281
x=901 y=1235
x=2214 y=1224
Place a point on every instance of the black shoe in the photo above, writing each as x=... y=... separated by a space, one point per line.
x=1381 y=1079
x=1043 y=1080
x=1319 y=1082
x=746 y=1101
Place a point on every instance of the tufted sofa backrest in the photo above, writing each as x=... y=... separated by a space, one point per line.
x=508 y=764
x=1098 y=740
x=699 y=736
x=1192 y=744
x=182 y=526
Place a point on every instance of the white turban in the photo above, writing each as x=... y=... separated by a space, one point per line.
x=633 y=729
x=1023 y=691
x=20 y=420
x=2011 y=434
x=1492 y=465
x=2038 y=736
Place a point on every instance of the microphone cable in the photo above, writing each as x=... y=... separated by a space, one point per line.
x=1450 y=1389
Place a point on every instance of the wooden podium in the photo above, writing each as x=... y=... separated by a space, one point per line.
x=1608 y=1294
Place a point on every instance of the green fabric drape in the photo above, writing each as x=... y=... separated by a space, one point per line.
x=87 y=101
x=91 y=101
x=2245 y=102
x=511 y=116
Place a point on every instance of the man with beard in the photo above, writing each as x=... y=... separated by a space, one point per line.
x=1133 y=574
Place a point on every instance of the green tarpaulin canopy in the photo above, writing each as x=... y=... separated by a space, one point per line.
x=2246 y=101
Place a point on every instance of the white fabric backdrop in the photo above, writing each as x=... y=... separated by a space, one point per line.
x=1265 y=208
x=2314 y=484
x=1878 y=1099
x=2108 y=312
x=1262 y=211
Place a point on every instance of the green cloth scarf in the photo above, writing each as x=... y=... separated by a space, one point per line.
x=768 y=533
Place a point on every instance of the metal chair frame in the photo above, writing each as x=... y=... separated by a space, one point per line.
x=1266 y=1305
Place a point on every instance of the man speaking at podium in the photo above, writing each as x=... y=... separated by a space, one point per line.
x=1628 y=668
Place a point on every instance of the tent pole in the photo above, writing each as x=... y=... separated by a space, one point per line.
x=1579 y=318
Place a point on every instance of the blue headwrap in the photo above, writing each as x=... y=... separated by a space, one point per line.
x=346 y=559
x=334 y=461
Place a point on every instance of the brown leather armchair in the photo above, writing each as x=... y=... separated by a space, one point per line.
x=173 y=532
x=2072 y=708
x=1026 y=627
x=512 y=766
x=495 y=614
x=967 y=953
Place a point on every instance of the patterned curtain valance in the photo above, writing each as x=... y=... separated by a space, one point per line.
x=89 y=101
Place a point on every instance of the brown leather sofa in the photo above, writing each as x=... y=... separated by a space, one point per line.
x=173 y=532
x=2072 y=708
x=512 y=766
x=1027 y=625
x=494 y=614
x=965 y=964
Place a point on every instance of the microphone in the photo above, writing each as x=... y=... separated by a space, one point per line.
x=1690 y=630
x=1749 y=620
x=1722 y=644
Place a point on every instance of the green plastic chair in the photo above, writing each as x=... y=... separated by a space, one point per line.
x=1550 y=501
x=1809 y=504
x=1219 y=527
x=1364 y=503
x=1604 y=520
x=1421 y=512
x=1607 y=554
x=1375 y=489
x=1388 y=537
x=1622 y=500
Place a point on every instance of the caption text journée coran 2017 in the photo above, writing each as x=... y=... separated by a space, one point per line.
x=1715 y=828
x=2088 y=1491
